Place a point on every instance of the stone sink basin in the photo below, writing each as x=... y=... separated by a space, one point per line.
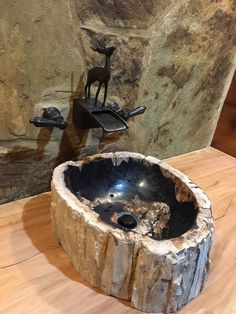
x=134 y=227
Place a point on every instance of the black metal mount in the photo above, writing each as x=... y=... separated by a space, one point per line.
x=111 y=118
x=51 y=118
x=89 y=113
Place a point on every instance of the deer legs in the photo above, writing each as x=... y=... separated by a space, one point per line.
x=105 y=93
x=97 y=93
x=87 y=93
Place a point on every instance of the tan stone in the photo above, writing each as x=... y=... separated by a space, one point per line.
x=187 y=76
x=17 y=127
x=40 y=51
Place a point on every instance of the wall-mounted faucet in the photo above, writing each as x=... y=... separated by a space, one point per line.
x=51 y=118
x=90 y=112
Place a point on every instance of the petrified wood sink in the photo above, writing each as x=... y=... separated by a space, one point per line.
x=134 y=227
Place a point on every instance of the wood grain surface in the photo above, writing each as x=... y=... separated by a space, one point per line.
x=36 y=276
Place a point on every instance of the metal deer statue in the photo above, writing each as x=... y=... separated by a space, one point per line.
x=100 y=74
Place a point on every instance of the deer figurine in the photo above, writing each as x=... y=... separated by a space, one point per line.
x=100 y=74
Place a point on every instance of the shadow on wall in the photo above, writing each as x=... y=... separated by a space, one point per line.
x=27 y=171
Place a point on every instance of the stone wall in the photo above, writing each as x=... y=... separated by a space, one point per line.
x=174 y=57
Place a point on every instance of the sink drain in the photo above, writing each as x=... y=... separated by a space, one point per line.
x=127 y=221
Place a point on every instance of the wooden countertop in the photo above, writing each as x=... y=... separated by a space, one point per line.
x=36 y=276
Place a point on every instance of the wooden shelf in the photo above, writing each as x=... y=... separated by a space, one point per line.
x=36 y=276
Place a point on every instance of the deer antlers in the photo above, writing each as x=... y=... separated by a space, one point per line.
x=106 y=51
x=98 y=48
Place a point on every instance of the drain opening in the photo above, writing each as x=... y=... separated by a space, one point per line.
x=112 y=195
x=127 y=221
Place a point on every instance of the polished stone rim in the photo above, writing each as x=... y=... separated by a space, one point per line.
x=204 y=220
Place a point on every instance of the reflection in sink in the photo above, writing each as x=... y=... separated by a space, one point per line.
x=136 y=187
x=134 y=227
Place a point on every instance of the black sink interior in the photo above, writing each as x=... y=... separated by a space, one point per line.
x=115 y=186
